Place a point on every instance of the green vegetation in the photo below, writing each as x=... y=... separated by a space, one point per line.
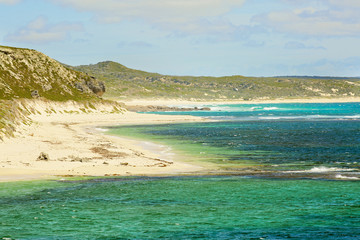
x=125 y=83
x=26 y=73
x=11 y=114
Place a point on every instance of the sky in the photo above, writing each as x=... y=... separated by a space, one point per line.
x=192 y=37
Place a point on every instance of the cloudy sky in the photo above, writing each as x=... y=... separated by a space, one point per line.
x=192 y=37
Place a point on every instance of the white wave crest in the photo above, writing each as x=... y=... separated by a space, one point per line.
x=99 y=129
x=323 y=169
x=326 y=169
x=270 y=108
x=339 y=176
x=255 y=108
x=310 y=117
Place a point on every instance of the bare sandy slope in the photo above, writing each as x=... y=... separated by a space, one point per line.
x=73 y=144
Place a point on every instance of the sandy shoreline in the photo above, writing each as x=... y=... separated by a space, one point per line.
x=73 y=144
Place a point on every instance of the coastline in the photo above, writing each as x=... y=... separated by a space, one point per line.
x=177 y=102
x=75 y=145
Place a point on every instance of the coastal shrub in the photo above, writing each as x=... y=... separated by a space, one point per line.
x=91 y=106
x=11 y=115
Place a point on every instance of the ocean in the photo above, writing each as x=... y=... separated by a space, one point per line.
x=309 y=137
x=290 y=171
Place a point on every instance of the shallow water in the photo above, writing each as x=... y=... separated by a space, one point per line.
x=222 y=207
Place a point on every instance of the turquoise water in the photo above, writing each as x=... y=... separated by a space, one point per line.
x=287 y=137
x=223 y=207
x=311 y=139
x=279 y=111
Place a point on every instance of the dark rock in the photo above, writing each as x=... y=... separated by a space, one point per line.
x=35 y=94
x=96 y=87
x=79 y=87
x=102 y=86
x=76 y=159
x=43 y=157
x=91 y=85
x=5 y=52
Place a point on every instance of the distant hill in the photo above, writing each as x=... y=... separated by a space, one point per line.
x=125 y=83
x=26 y=73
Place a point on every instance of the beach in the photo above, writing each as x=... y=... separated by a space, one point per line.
x=74 y=144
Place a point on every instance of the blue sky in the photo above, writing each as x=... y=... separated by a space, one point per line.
x=192 y=37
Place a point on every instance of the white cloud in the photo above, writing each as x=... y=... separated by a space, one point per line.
x=326 y=67
x=346 y=3
x=41 y=31
x=177 y=15
x=331 y=18
x=9 y=2
x=156 y=10
x=294 y=45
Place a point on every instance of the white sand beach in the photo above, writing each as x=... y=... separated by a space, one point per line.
x=74 y=144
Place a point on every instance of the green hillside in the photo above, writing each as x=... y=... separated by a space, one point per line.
x=26 y=73
x=125 y=83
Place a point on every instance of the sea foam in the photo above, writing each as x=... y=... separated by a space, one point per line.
x=339 y=176
x=326 y=169
x=99 y=129
x=323 y=169
x=270 y=108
